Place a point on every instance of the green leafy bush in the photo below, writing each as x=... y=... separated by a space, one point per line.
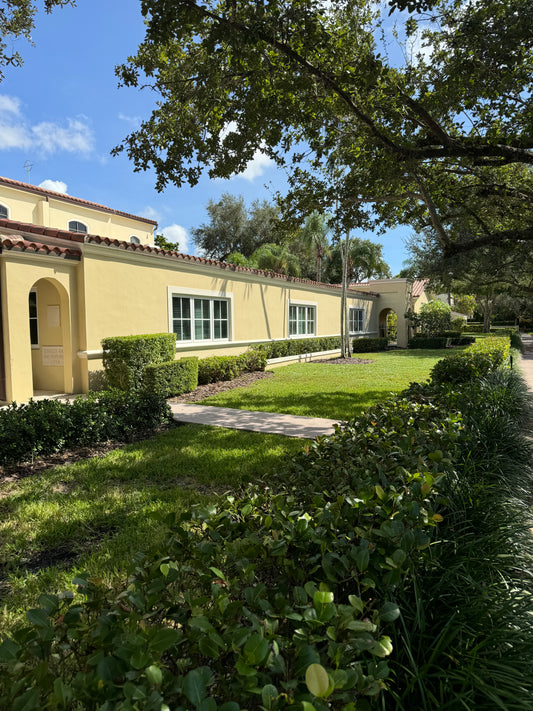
x=216 y=368
x=369 y=345
x=253 y=361
x=476 y=361
x=433 y=318
x=42 y=427
x=298 y=346
x=173 y=378
x=126 y=357
x=435 y=342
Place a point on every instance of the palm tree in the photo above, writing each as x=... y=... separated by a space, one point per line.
x=314 y=236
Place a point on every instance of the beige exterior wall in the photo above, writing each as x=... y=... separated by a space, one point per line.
x=35 y=208
x=113 y=292
x=395 y=295
x=52 y=364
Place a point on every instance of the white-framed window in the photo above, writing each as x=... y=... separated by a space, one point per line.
x=195 y=318
x=302 y=320
x=34 y=327
x=4 y=212
x=77 y=226
x=356 y=319
x=135 y=240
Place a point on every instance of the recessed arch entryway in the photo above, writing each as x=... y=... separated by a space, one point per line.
x=388 y=324
x=50 y=337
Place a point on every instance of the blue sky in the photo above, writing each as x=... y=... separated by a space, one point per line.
x=63 y=112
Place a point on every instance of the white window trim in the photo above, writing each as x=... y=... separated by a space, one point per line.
x=8 y=211
x=81 y=223
x=202 y=294
x=358 y=308
x=313 y=304
x=134 y=239
x=35 y=346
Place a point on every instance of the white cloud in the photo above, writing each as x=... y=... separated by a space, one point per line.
x=9 y=104
x=256 y=167
x=151 y=213
x=133 y=121
x=57 y=186
x=46 y=137
x=75 y=138
x=177 y=233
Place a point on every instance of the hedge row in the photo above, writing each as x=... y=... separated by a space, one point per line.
x=126 y=357
x=172 y=378
x=216 y=368
x=476 y=361
x=42 y=427
x=297 y=346
x=369 y=345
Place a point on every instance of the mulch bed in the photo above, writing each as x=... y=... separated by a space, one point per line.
x=203 y=391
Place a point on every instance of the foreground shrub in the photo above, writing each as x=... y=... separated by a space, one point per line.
x=173 y=378
x=369 y=345
x=126 y=357
x=253 y=361
x=42 y=427
x=476 y=361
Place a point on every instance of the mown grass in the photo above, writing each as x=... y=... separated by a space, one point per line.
x=331 y=390
x=94 y=516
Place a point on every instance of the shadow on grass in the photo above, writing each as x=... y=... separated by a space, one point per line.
x=337 y=405
x=65 y=514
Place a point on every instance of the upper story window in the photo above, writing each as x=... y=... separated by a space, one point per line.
x=4 y=212
x=135 y=240
x=302 y=320
x=79 y=227
x=199 y=319
x=356 y=318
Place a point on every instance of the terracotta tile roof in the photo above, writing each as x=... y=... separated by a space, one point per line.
x=418 y=287
x=162 y=253
x=128 y=246
x=68 y=198
x=19 y=244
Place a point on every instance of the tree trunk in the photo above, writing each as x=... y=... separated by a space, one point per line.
x=345 y=330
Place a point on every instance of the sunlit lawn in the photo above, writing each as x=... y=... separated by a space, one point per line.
x=95 y=515
x=329 y=390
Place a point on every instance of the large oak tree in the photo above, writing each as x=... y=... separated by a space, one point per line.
x=372 y=136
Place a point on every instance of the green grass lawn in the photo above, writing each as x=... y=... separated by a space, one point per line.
x=334 y=391
x=93 y=516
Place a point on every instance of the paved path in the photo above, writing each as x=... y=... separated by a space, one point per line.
x=526 y=364
x=266 y=422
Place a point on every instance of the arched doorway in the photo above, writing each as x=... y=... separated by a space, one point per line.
x=50 y=337
x=388 y=324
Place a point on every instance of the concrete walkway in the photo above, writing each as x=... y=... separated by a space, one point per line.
x=526 y=363
x=266 y=422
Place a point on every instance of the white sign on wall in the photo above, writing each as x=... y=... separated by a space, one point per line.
x=53 y=315
x=52 y=355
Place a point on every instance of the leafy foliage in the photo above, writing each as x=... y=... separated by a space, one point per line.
x=216 y=368
x=433 y=318
x=479 y=359
x=369 y=345
x=234 y=228
x=172 y=378
x=297 y=346
x=42 y=427
x=126 y=357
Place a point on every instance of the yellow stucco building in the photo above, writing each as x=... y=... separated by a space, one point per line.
x=73 y=272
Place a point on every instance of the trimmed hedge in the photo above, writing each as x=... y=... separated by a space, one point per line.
x=479 y=359
x=216 y=368
x=298 y=346
x=42 y=427
x=369 y=345
x=434 y=342
x=173 y=378
x=126 y=357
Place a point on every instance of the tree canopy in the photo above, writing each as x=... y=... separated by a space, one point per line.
x=17 y=19
x=369 y=134
x=233 y=227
